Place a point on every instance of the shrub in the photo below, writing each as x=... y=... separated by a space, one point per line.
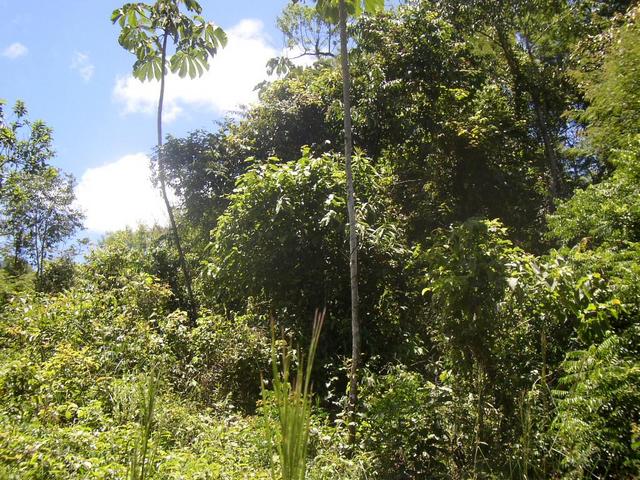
x=403 y=424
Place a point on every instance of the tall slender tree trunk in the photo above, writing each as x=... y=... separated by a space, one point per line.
x=163 y=188
x=17 y=250
x=353 y=232
x=556 y=185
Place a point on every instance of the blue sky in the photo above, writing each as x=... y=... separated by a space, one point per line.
x=62 y=58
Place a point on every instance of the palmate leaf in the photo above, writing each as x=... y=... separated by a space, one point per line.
x=143 y=27
x=214 y=36
x=329 y=9
x=131 y=13
x=149 y=68
x=136 y=41
x=192 y=63
x=193 y=6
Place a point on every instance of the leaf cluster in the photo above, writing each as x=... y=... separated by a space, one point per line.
x=146 y=28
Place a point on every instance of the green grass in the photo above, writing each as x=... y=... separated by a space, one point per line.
x=293 y=402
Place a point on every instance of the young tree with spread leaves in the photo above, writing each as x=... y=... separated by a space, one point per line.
x=145 y=32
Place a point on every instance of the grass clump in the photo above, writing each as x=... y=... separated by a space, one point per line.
x=292 y=398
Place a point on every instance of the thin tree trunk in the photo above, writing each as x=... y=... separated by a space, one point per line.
x=17 y=250
x=556 y=186
x=353 y=234
x=163 y=188
x=479 y=426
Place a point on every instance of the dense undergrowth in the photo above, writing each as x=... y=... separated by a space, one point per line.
x=74 y=370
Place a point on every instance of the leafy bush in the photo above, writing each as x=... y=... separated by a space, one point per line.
x=403 y=425
x=57 y=275
x=12 y=285
x=599 y=409
x=607 y=212
x=220 y=359
x=281 y=248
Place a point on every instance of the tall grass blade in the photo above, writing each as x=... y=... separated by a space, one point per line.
x=293 y=401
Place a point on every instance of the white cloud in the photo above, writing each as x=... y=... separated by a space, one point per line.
x=230 y=81
x=15 y=50
x=81 y=63
x=120 y=194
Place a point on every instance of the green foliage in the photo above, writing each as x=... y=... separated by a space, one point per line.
x=293 y=112
x=57 y=275
x=201 y=169
x=12 y=284
x=145 y=28
x=142 y=455
x=431 y=104
x=329 y=8
x=76 y=402
x=37 y=211
x=503 y=322
x=466 y=283
x=304 y=28
x=220 y=359
x=612 y=114
x=129 y=253
x=20 y=150
x=509 y=365
x=403 y=424
x=466 y=279
x=292 y=397
x=605 y=213
x=280 y=247
x=598 y=414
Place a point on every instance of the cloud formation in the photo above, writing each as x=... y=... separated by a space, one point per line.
x=119 y=195
x=81 y=64
x=15 y=50
x=230 y=81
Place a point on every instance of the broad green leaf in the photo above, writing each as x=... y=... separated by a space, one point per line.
x=329 y=9
x=149 y=68
x=116 y=15
x=183 y=68
x=132 y=18
x=193 y=6
x=373 y=6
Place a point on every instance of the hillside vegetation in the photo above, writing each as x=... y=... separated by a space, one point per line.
x=497 y=189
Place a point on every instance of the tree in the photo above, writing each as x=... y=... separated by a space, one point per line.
x=338 y=11
x=38 y=213
x=146 y=30
x=306 y=34
x=201 y=169
x=20 y=151
x=36 y=199
x=609 y=76
x=525 y=38
x=432 y=106
x=306 y=30
x=279 y=250
x=608 y=213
